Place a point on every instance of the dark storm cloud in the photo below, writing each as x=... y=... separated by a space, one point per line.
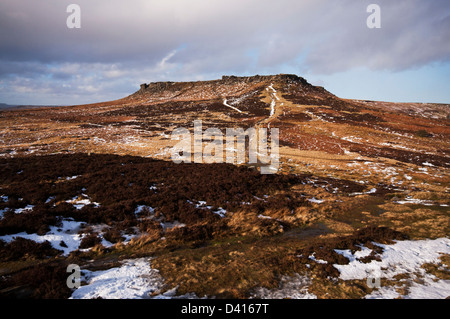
x=332 y=32
x=131 y=41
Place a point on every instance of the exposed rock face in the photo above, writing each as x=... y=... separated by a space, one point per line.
x=263 y=78
x=291 y=87
x=154 y=87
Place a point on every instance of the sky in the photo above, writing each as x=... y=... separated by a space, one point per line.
x=121 y=44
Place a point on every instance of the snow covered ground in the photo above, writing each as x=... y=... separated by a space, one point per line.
x=230 y=106
x=272 y=103
x=403 y=257
x=137 y=279
x=65 y=237
x=219 y=211
x=67 y=234
x=79 y=202
x=295 y=287
x=314 y=200
x=410 y=200
x=134 y=279
x=17 y=210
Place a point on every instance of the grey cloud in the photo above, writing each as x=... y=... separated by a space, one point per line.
x=121 y=43
x=28 y=69
x=413 y=34
x=335 y=36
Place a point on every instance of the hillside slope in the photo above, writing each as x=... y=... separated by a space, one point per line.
x=359 y=184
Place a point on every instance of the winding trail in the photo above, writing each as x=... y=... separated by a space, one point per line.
x=274 y=111
x=230 y=106
x=273 y=103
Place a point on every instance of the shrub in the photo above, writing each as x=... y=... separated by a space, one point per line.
x=90 y=240
x=21 y=248
x=44 y=281
x=423 y=133
x=113 y=236
x=36 y=221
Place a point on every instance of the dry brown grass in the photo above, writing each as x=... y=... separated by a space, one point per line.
x=337 y=148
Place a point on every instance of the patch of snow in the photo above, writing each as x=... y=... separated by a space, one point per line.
x=353 y=139
x=424 y=170
x=220 y=211
x=134 y=279
x=2 y=211
x=202 y=204
x=403 y=257
x=69 y=178
x=399 y=147
x=320 y=261
x=429 y=288
x=272 y=103
x=272 y=108
x=50 y=199
x=164 y=135
x=21 y=210
x=410 y=200
x=271 y=87
x=140 y=208
x=314 y=200
x=364 y=252
x=371 y=191
x=68 y=233
x=295 y=287
x=128 y=238
x=230 y=106
x=98 y=140
x=243 y=97
x=170 y=225
x=80 y=203
x=164 y=225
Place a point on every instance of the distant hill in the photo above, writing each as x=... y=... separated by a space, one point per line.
x=4 y=106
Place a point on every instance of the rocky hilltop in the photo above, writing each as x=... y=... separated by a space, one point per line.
x=292 y=86
x=230 y=88
x=226 y=80
x=309 y=117
x=95 y=185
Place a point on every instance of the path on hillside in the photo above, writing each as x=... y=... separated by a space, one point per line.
x=275 y=110
x=230 y=106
